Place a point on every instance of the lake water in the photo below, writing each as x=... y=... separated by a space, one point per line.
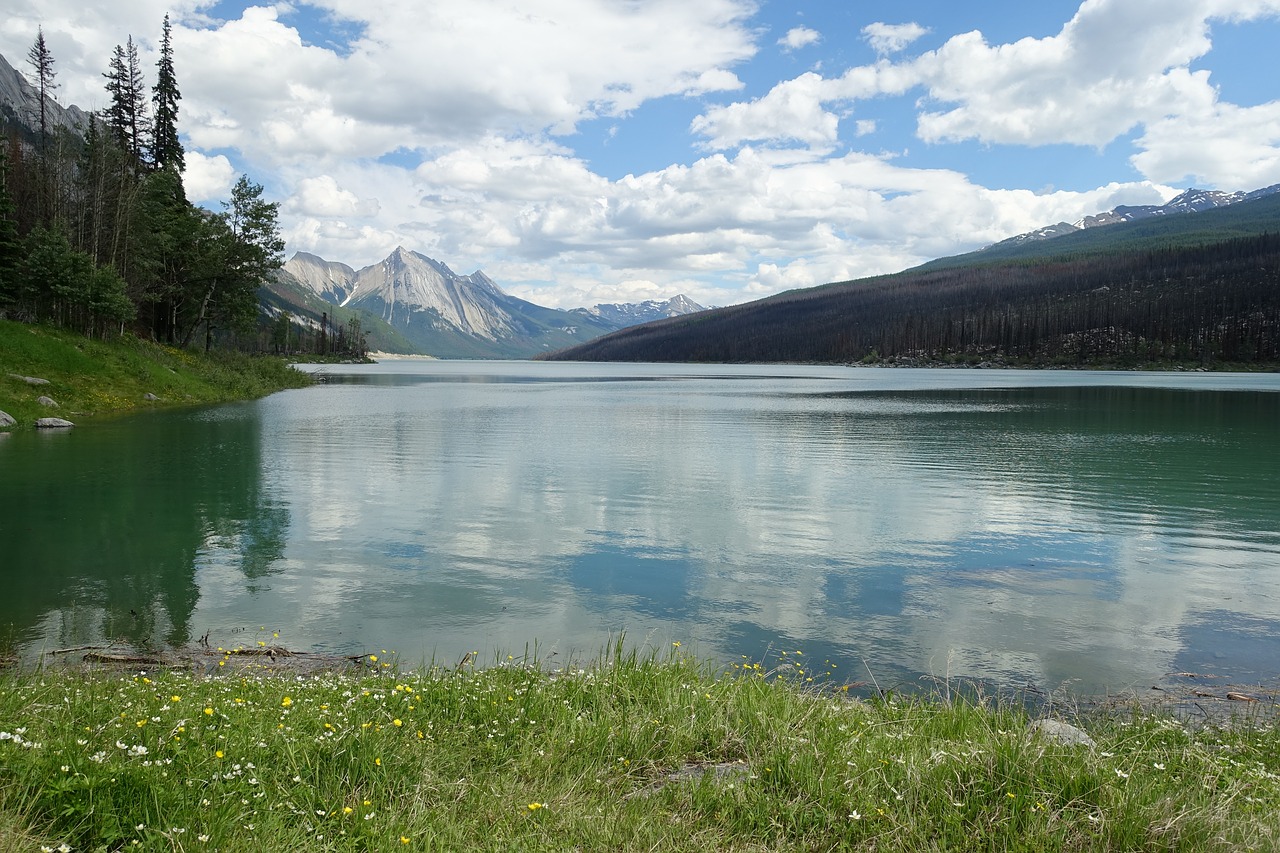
x=1095 y=531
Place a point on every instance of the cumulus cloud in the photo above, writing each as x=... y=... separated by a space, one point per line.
x=321 y=196
x=798 y=37
x=208 y=179
x=451 y=127
x=792 y=110
x=891 y=38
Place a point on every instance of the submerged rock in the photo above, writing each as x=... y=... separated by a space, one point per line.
x=52 y=423
x=1061 y=732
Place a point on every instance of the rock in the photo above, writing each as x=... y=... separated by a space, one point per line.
x=6 y=420
x=1061 y=732
x=30 y=380
x=46 y=401
x=150 y=397
x=52 y=423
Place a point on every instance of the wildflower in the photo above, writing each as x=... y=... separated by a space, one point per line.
x=1121 y=773
x=676 y=644
x=203 y=839
x=286 y=702
x=533 y=807
x=853 y=815
x=219 y=754
x=397 y=723
x=175 y=698
x=373 y=658
x=208 y=712
x=377 y=761
x=1157 y=765
x=347 y=810
x=404 y=839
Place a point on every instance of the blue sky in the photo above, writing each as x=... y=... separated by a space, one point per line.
x=583 y=151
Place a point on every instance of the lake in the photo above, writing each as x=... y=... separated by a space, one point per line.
x=1094 y=531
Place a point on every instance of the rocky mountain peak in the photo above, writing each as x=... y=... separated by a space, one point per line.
x=1188 y=201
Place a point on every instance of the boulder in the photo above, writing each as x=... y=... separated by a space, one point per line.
x=47 y=401
x=1061 y=732
x=52 y=423
x=149 y=397
x=6 y=420
x=30 y=380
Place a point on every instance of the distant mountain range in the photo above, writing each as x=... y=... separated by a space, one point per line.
x=435 y=311
x=1133 y=287
x=1189 y=201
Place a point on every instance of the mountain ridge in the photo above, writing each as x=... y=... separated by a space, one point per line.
x=446 y=314
x=1169 y=289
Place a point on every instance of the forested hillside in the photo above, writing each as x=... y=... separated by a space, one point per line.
x=97 y=234
x=1202 y=288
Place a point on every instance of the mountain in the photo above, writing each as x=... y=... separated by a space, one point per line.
x=1189 y=201
x=20 y=106
x=622 y=315
x=439 y=312
x=442 y=313
x=1160 y=290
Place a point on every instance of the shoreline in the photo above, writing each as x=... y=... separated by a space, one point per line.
x=654 y=751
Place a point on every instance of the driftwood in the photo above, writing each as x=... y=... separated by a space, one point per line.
x=103 y=657
x=77 y=649
x=268 y=651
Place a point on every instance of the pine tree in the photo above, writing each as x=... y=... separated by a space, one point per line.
x=126 y=117
x=166 y=149
x=139 y=121
x=41 y=60
x=116 y=116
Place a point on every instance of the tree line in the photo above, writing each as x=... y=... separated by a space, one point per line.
x=97 y=234
x=1209 y=303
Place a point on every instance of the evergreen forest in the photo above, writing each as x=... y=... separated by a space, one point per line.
x=1196 y=290
x=97 y=234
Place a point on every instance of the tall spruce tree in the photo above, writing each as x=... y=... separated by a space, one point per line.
x=116 y=114
x=139 y=120
x=126 y=116
x=41 y=60
x=166 y=149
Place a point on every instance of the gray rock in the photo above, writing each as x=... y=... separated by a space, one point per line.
x=47 y=401
x=52 y=423
x=1061 y=732
x=150 y=397
x=30 y=380
x=6 y=420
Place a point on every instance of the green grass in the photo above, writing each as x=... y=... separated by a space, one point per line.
x=90 y=378
x=513 y=756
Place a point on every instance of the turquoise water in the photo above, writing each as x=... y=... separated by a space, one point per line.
x=1090 y=530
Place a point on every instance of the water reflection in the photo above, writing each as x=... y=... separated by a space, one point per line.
x=1078 y=530
x=104 y=526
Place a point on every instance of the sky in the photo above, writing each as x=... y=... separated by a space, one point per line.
x=587 y=151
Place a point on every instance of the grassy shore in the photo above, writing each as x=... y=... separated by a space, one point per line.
x=655 y=751
x=92 y=378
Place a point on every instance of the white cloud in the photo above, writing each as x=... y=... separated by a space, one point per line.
x=1237 y=147
x=208 y=179
x=792 y=110
x=321 y=196
x=451 y=127
x=798 y=37
x=891 y=38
